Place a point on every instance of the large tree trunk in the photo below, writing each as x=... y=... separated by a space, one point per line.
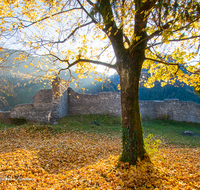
x=132 y=135
x=128 y=64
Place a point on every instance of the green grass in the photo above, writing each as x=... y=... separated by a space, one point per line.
x=169 y=132
x=101 y=124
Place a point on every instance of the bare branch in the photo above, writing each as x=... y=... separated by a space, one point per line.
x=91 y=3
x=174 y=64
x=174 y=40
x=167 y=25
x=97 y=62
x=55 y=14
x=87 y=61
x=58 y=58
x=93 y=19
x=81 y=60
x=161 y=61
x=72 y=33
x=44 y=42
x=104 y=50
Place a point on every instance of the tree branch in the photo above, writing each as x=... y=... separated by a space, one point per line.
x=61 y=12
x=166 y=26
x=91 y=3
x=114 y=34
x=187 y=25
x=87 y=61
x=163 y=62
x=93 y=19
x=106 y=47
x=158 y=32
x=64 y=40
x=174 y=64
x=81 y=60
x=141 y=16
x=127 y=40
x=72 y=33
x=174 y=40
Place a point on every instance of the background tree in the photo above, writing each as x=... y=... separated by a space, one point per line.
x=125 y=35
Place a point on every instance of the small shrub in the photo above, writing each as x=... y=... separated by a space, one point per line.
x=165 y=116
x=108 y=113
x=151 y=144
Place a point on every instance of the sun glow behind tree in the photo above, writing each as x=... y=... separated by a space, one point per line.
x=48 y=38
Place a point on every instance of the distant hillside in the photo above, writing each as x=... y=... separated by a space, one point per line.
x=9 y=56
x=10 y=59
x=24 y=89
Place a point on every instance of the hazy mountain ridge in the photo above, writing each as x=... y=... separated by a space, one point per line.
x=24 y=93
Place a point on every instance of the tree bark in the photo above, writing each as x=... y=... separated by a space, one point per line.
x=132 y=135
x=128 y=64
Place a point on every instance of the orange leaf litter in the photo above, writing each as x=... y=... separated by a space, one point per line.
x=44 y=161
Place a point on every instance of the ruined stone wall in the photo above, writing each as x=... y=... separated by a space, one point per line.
x=50 y=105
x=5 y=114
x=59 y=99
x=38 y=111
x=43 y=97
x=30 y=113
x=170 y=109
x=102 y=103
x=109 y=103
x=178 y=110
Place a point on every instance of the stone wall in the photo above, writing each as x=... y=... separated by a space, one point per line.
x=5 y=114
x=102 y=103
x=109 y=103
x=50 y=105
x=43 y=97
x=30 y=113
x=38 y=111
x=170 y=109
x=59 y=99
